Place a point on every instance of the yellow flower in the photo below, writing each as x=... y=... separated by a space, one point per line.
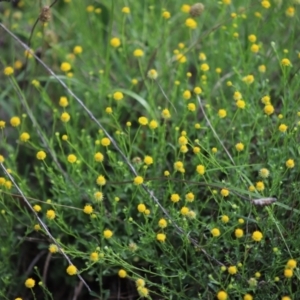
x=175 y=198
x=53 y=248
x=166 y=114
x=37 y=208
x=191 y=107
x=88 y=209
x=107 y=233
x=257 y=236
x=290 y=163
x=161 y=237
x=148 y=160
x=166 y=15
x=63 y=101
x=118 y=96
x=248 y=297
x=65 y=117
x=94 y=256
x=191 y=23
x=115 y=42
x=101 y=180
x=254 y=48
x=138 y=53
x=248 y=79
x=138 y=180
x=143 y=292
x=222 y=113
x=190 y=197
x=72 y=158
x=290 y=11
x=126 y=10
x=77 y=50
x=140 y=282
x=143 y=121
x=41 y=155
x=99 y=157
x=122 y=273
x=71 y=270
x=185 y=8
x=187 y=94
x=232 y=270
x=184 y=210
x=288 y=273
x=152 y=74
x=225 y=219
x=197 y=90
x=262 y=68
x=239 y=233
x=50 y=214
x=222 y=295
x=105 y=141
x=291 y=264
x=153 y=124
x=200 y=169
x=15 y=121
x=239 y=147
x=269 y=109
x=162 y=223
x=204 y=67
x=98 y=196
x=2 y=124
x=141 y=207
x=65 y=67
x=282 y=128
x=224 y=192
x=90 y=8
x=24 y=137
x=252 y=38
x=215 y=232
x=265 y=4
x=8 y=71
x=241 y=104
x=30 y=283
x=264 y=173
x=285 y=62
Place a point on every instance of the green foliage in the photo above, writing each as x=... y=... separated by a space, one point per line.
x=171 y=172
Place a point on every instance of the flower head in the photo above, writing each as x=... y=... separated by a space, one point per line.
x=138 y=180
x=8 y=71
x=71 y=270
x=290 y=163
x=118 y=96
x=50 y=214
x=107 y=233
x=175 y=198
x=88 y=209
x=222 y=295
x=30 y=283
x=65 y=117
x=15 y=121
x=161 y=237
x=191 y=23
x=215 y=232
x=238 y=233
x=152 y=74
x=257 y=236
x=65 y=67
x=122 y=273
x=101 y=180
x=41 y=155
x=115 y=42
x=72 y=158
